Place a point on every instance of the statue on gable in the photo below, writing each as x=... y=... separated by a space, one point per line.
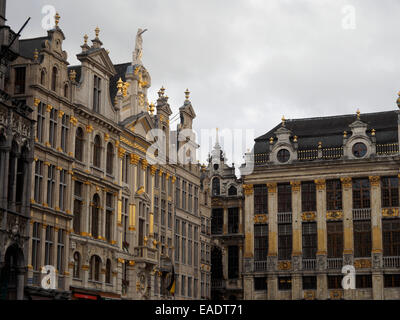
x=137 y=54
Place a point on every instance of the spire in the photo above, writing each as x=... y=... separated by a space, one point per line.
x=85 y=46
x=358 y=114
x=57 y=19
x=187 y=94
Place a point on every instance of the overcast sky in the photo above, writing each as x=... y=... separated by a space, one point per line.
x=247 y=62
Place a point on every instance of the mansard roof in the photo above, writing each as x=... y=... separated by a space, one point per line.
x=329 y=130
x=28 y=46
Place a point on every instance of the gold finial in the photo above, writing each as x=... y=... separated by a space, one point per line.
x=358 y=114
x=36 y=54
x=57 y=18
x=120 y=84
x=97 y=31
x=271 y=140
x=151 y=108
x=344 y=134
x=125 y=87
x=161 y=92
x=85 y=38
x=295 y=139
x=72 y=75
x=319 y=145
x=283 y=121
x=373 y=132
x=187 y=94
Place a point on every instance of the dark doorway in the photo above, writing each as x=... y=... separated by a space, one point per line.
x=9 y=273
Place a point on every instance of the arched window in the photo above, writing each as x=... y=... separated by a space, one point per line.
x=215 y=187
x=77 y=265
x=110 y=158
x=13 y=163
x=232 y=191
x=43 y=77
x=79 y=144
x=108 y=271
x=54 y=76
x=95 y=216
x=66 y=90
x=94 y=268
x=97 y=152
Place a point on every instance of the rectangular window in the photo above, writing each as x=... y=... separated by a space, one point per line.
x=36 y=231
x=195 y=288
x=38 y=181
x=169 y=215
x=96 y=94
x=183 y=283
x=184 y=195
x=285 y=241
x=233 y=220
x=284 y=197
x=189 y=248
x=125 y=169
x=391 y=237
x=260 y=199
x=335 y=282
x=390 y=191
x=217 y=221
x=260 y=283
x=48 y=246
x=141 y=232
x=62 y=190
x=183 y=250
x=41 y=118
x=335 y=239
x=363 y=281
x=177 y=247
x=308 y=196
x=64 y=132
x=51 y=181
x=392 y=280
x=189 y=286
x=362 y=239
x=309 y=283
x=163 y=181
x=19 y=84
x=60 y=251
x=190 y=198
x=178 y=193
x=170 y=187
x=196 y=201
x=53 y=128
x=156 y=210
x=334 y=194
x=284 y=283
x=361 y=193
x=196 y=254
x=109 y=214
x=260 y=242
x=77 y=207
x=233 y=262
x=163 y=204
x=309 y=240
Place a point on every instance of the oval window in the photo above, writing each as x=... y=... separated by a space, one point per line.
x=359 y=150
x=283 y=155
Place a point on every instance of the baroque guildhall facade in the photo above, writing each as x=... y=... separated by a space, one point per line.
x=114 y=223
x=324 y=193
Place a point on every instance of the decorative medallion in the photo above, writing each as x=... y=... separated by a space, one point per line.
x=260 y=218
x=332 y=215
x=362 y=263
x=308 y=216
x=390 y=212
x=284 y=265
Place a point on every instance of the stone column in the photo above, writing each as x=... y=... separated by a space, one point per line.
x=6 y=163
x=20 y=283
x=44 y=185
x=377 y=245
x=322 y=286
x=42 y=246
x=272 y=241
x=249 y=227
x=55 y=242
x=347 y=220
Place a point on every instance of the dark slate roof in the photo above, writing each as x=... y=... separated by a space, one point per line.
x=28 y=46
x=329 y=130
x=131 y=118
x=121 y=71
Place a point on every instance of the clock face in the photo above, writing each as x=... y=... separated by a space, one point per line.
x=359 y=150
x=283 y=155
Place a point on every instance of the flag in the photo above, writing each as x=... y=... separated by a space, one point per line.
x=171 y=286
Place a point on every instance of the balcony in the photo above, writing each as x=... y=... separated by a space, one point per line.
x=362 y=214
x=284 y=217
x=335 y=263
x=218 y=284
x=145 y=254
x=309 y=264
x=260 y=266
x=391 y=262
x=387 y=149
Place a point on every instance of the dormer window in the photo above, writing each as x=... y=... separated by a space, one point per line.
x=96 y=94
x=283 y=155
x=19 y=84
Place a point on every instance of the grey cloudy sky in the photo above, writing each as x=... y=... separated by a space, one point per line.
x=246 y=62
